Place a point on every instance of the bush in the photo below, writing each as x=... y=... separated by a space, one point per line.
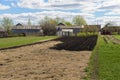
x=114 y=33
x=49 y=26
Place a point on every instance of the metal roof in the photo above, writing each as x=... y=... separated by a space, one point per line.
x=71 y=27
x=20 y=26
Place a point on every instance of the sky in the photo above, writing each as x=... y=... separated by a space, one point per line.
x=94 y=11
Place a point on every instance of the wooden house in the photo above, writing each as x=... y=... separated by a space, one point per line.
x=3 y=33
x=110 y=30
x=27 y=30
x=63 y=30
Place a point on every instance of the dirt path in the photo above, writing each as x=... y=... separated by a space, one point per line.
x=38 y=62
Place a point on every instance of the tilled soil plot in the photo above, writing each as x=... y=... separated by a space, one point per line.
x=38 y=62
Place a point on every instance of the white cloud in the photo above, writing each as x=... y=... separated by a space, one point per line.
x=32 y=4
x=113 y=12
x=90 y=9
x=105 y=19
x=85 y=6
x=57 y=4
x=4 y=7
x=35 y=17
x=110 y=4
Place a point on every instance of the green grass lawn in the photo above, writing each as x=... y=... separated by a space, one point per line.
x=16 y=41
x=117 y=36
x=107 y=64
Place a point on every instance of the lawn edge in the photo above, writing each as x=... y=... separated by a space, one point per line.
x=92 y=73
x=34 y=43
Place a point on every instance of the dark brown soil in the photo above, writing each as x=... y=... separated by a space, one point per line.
x=76 y=43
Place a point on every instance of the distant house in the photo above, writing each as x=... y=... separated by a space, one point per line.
x=27 y=30
x=3 y=33
x=63 y=30
x=110 y=30
x=61 y=24
x=98 y=27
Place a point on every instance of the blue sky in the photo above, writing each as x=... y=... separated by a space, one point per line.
x=94 y=11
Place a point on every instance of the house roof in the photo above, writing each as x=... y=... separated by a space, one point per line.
x=70 y=27
x=21 y=26
x=111 y=27
x=61 y=24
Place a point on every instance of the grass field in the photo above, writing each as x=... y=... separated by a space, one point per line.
x=16 y=41
x=105 y=61
x=117 y=36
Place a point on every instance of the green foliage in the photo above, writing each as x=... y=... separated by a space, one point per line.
x=108 y=61
x=7 y=23
x=67 y=23
x=59 y=20
x=79 y=21
x=114 y=33
x=92 y=29
x=17 y=41
x=117 y=36
x=48 y=25
x=88 y=34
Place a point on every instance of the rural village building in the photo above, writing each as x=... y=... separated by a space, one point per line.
x=110 y=30
x=63 y=30
x=3 y=33
x=27 y=30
